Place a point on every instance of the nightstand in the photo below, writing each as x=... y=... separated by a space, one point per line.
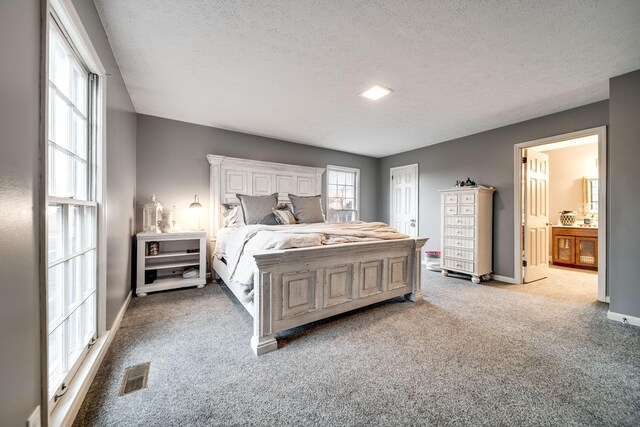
x=170 y=261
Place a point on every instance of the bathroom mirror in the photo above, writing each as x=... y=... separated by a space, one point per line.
x=590 y=194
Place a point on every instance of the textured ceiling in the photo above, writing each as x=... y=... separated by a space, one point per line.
x=293 y=69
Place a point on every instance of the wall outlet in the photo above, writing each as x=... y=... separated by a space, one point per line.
x=34 y=419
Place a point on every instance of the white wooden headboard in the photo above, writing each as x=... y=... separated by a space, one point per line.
x=230 y=176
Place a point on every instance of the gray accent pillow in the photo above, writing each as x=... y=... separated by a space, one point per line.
x=270 y=219
x=255 y=208
x=308 y=210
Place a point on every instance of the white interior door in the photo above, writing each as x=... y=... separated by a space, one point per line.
x=404 y=199
x=536 y=216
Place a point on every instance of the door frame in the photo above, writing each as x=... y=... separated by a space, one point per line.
x=416 y=195
x=601 y=131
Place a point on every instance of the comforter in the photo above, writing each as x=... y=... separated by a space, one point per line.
x=238 y=244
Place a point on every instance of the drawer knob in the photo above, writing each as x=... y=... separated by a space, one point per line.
x=459 y=243
x=459 y=254
x=458 y=221
x=459 y=265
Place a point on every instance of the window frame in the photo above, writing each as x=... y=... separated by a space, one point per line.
x=63 y=14
x=356 y=172
x=82 y=199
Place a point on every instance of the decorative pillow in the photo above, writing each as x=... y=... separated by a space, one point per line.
x=308 y=210
x=284 y=216
x=271 y=219
x=232 y=215
x=255 y=208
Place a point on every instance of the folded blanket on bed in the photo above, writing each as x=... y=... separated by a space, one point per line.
x=238 y=244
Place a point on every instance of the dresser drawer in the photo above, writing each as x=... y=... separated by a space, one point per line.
x=452 y=242
x=458 y=253
x=468 y=209
x=464 y=221
x=468 y=198
x=450 y=209
x=456 y=264
x=459 y=232
x=451 y=198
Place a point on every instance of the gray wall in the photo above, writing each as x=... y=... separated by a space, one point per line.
x=624 y=194
x=172 y=164
x=19 y=185
x=486 y=157
x=121 y=165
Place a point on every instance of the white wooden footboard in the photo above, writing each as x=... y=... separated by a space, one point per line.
x=294 y=287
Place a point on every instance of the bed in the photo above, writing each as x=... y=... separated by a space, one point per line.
x=295 y=286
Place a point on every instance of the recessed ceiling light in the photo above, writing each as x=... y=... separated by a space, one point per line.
x=376 y=92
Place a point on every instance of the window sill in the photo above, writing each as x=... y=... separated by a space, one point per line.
x=65 y=411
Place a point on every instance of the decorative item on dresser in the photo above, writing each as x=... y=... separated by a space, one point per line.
x=575 y=246
x=467 y=231
x=170 y=261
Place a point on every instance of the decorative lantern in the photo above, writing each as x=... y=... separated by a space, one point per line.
x=151 y=214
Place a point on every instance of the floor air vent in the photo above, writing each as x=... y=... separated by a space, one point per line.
x=135 y=378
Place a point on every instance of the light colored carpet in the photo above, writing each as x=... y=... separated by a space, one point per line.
x=490 y=354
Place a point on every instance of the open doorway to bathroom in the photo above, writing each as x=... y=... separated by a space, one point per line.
x=560 y=216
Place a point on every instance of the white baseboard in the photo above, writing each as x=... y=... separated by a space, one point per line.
x=65 y=412
x=504 y=279
x=631 y=320
x=35 y=420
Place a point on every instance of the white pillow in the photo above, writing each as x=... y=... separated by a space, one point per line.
x=232 y=215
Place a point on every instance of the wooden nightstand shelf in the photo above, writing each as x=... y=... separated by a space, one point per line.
x=177 y=253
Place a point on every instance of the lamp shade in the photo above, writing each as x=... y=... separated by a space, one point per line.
x=196 y=203
x=195 y=212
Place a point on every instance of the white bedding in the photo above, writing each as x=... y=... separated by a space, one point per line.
x=238 y=244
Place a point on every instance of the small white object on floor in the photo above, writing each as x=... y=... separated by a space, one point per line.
x=190 y=273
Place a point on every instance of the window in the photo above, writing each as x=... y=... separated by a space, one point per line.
x=71 y=211
x=343 y=194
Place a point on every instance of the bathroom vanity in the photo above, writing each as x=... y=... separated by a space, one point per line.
x=575 y=246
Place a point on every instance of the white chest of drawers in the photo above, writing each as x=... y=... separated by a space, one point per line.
x=467 y=231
